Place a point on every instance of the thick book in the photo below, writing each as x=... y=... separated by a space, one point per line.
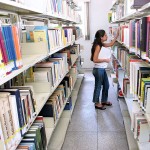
x=13 y=106
x=47 y=110
x=19 y=107
x=144 y=81
x=47 y=65
x=143 y=34
x=28 y=90
x=146 y=100
x=3 y=117
x=144 y=72
x=147 y=109
x=148 y=38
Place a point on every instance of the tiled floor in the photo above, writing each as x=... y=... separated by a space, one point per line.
x=92 y=129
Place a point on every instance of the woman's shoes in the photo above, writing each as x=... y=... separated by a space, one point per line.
x=100 y=107
x=107 y=103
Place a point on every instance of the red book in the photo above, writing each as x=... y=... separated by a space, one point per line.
x=148 y=38
x=2 y=45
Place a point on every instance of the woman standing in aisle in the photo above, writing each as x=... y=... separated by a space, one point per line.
x=101 y=56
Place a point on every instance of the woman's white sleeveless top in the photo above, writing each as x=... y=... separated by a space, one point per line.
x=103 y=54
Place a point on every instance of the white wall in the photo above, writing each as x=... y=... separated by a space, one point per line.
x=98 y=20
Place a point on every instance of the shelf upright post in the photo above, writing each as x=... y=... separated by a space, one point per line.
x=47 y=22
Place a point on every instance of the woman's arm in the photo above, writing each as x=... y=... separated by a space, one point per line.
x=95 y=57
x=112 y=42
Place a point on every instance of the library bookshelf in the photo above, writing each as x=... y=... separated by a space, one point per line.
x=128 y=69
x=36 y=53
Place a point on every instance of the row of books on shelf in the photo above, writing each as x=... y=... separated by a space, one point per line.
x=18 y=103
x=55 y=103
x=17 y=113
x=138 y=76
x=53 y=68
x=35 y=138
x=124 y=9
x=56 y=7
x=140 y=126
x=11 y=52
x=54 y=38
x=135 y=86
x=135 y=35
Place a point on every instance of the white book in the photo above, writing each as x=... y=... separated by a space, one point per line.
x=2 y=144
x=137 y=125
x=41 y=76
x=48 y=65
x=13 y=107
x=26 y=92
x=144 y=132
x=5 y=129
x=148 y=101
x=64 y=57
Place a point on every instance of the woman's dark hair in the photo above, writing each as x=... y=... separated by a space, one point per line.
x=97 y=41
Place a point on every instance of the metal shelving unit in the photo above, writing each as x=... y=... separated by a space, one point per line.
x=29 y=13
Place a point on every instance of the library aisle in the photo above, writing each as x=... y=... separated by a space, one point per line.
x=92 y=129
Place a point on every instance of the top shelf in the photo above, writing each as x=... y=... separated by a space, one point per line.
x=31 y=13
x=53 y=17
x=144 y=11
x=17 y=7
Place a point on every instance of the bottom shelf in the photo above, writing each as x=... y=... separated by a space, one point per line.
x=56 y=135
x=132 y=143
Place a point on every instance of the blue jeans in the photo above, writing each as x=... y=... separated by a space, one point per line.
x=100 y=79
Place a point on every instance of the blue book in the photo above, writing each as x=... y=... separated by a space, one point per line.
x=6 y=42
x=59 y=6
x=11 y=44
x=7 y=39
